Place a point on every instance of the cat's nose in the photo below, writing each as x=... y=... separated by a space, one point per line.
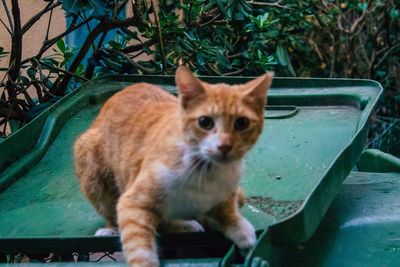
x=225 y=149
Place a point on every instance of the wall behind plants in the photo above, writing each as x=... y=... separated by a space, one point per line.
x=311 y=38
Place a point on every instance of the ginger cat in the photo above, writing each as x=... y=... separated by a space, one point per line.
x=153 y=161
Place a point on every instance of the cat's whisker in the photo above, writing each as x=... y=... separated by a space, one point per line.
x=200 y=176
x=203 y=172
x=192 y=168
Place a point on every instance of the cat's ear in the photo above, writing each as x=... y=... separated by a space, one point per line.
x=190 y=87
x=256 y=90
x=259 y=86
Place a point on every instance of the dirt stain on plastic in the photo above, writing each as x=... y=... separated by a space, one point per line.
x=278 y=208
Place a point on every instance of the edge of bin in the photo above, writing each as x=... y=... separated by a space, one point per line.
x=317 y=203
x=50 y=119
x=374 y=160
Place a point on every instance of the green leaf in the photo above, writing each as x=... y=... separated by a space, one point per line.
x=115 y=45
x=132 y=34
x=31 y=73
x=236 y=62
x=2 y=53
x=363 y=6
x=282 y=55
x=283 y=58
x=112 y=65
x=99 y=9
x=200 y=59
x=245 y=54
x=24 y=80
x=74 y=6
x=61 y=45
x=394 y=13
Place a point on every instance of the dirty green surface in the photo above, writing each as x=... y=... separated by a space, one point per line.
x=296 y=144
x=292 y=174
x=361 y=228
x=47 y=200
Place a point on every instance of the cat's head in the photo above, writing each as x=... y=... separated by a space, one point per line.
x=221 y=122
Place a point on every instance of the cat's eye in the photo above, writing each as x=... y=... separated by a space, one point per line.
x=241 y=124
x=206 y=123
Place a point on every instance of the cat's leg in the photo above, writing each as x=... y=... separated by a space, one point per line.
x=180 y=226
x=226 y=217
x=96 y=181
x=138 y=217
x=103 y=195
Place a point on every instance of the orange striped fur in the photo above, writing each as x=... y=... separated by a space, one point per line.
x=151 y=161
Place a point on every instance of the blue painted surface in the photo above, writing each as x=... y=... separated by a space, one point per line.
x=78 y=37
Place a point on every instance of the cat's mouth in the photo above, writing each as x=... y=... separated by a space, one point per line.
x=221 y=159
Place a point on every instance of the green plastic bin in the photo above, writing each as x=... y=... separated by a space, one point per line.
x=362 y=226
x=314 y=133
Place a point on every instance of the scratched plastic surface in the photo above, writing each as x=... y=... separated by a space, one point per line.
x=313 y=134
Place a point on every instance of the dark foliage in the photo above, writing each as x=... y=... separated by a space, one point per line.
x=311 y=38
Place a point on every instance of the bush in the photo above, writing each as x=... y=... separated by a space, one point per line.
x=311 y=38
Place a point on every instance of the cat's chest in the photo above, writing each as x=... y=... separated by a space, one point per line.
x=188 y=196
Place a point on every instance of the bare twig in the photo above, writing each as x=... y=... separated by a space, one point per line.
x=16 y=50
x=83 y=17
x=160 y=38
x=395 y=46
x=274 y=4
x=2 y=22
x=127 y=58
x=137 y=47
x=137 y=12
x=104 y=26
x=34 y=19
x=355 y=23
x=64 y=71
x=361 y=41
x=333 y=57
x=44 y=89
x=210 y=21
x=236 y=71
x=8 y=15
x=315 y=46
x=136 y=55
x=10 y=113
x=49 y=43
x=48 y=25
x=233 y=56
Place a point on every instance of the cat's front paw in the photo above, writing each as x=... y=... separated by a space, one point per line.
x=243 y=234
x=106 y=231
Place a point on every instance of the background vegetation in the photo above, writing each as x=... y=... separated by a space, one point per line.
x=311 y=38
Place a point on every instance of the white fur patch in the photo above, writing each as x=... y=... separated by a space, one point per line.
x=243 y=234
x=106 y=231
x=192 y=191
x=209 y=146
